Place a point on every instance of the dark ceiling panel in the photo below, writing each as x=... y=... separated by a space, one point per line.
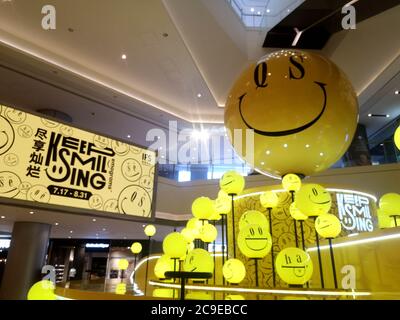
x=320 y=19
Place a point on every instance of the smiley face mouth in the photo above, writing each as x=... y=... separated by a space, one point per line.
x=290 y=131
x=249 y=240
x=325 y=226
x=298 y=271
x=315 y=202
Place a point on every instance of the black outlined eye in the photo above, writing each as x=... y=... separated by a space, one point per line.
x=315 y=192
x=252 y=231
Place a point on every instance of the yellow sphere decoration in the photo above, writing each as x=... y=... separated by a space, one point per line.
x=253 y=217
x=165 y=293
x=234 y=271
x=198 y=260
x=269 y=199
x=254 y=241
x=136 y=248
x=302 y=108
x=187 y=234
x=232 y=183
x=203 y=208
x=234 y=297
x=328 y=225
x=163 y=264
x=120 y=289
x=123 y=264
x=296 y=213
x=175 y=245
x=397 y=138
x=313 y=200
x=150 y=230
x=384 y=221
x=42 y=290
x=223 y=203
x=294 y=266
x=390 y=204
x=208 y=233
x=291 y=182
x=194 y=225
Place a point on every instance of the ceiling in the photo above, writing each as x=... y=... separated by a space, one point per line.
x=81 y=72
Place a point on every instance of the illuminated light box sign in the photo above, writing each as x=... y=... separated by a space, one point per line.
x=354 y=212
x=47 y=162
x=5 y=244
x=97 y=245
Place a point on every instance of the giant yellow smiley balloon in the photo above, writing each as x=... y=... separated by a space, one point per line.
x=208 y=233
x=313 y=200
x=175 y=245
x=328 y=226
x=269 y=199
x=294 y=266
x=302 y=108
x=389 y=204
x=254 y=241
x=397 y=138
x=296 y=213
x=164 y=264
x=232 y=183
x=203 y=208
x=42 y=290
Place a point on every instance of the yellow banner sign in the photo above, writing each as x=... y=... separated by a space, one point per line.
x=48 y=162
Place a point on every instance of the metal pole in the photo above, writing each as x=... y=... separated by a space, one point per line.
x=233 y=227
x=147 y=267
x=256 y=267
x=272 y=248
x=333 y=263
x=319 y=259
x=223 y=244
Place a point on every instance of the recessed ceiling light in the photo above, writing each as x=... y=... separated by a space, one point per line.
x=129 y=136
x=382 y=144
x=56 y=224
x=124 y=57
x=307 y=145
x=258 y=12
x=369 y=115
x=143 y=225
x=104 y=229
x=288 y=10
x=268 y=152
x=252 y=9
x=31 y=212
x=199 y=95
x=71 y=231
x=268 y=10
x=321 y=154
x=397 y=92
x=3 y=217
x=285 y=145
x=160 y=148
x=94 y=220
x=162 y=157
x=388 y=116
x=69 y=237
x=262 y=163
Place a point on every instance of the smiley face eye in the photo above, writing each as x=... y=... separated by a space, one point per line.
x=315 y=192
x=252 y=231
x=133 y=197
x=260 y=231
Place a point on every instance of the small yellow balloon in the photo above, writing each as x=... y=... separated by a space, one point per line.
x=42 y=290
x=269 y=199
x=328 y=226
x=397 y=138
x=136 y=248
x=175 y=245
x=187 y=234
x=385 y=221
x=194 y=225
x=313 y=200
x=150 y=230
x=234 y=271
x=208 y=233
x=223 y=203
x=254 y=241
x=253 y=217
x=390 y=204
x=296 y=213
x=123 y=264
x=291 y=182
x=199 y=260
x=203 y=208
x=232 y=183
x=120 y=289
x=164 y=264
x=294 y=266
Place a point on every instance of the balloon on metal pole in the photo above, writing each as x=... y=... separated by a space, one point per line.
x=136 y=248
x=270 y=200
x=149 y=231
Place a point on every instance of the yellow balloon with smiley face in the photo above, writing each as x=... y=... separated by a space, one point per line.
x=328 y=226
x=294 y=266
x=302 y=109
x=253 y=217
x=232 y=183
x=198 y=260
x=234 y=271
x=254 y=241
x=296 y=213
x=313 y=200
x=291 y=182
x=203 y=208
x=269 y=199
